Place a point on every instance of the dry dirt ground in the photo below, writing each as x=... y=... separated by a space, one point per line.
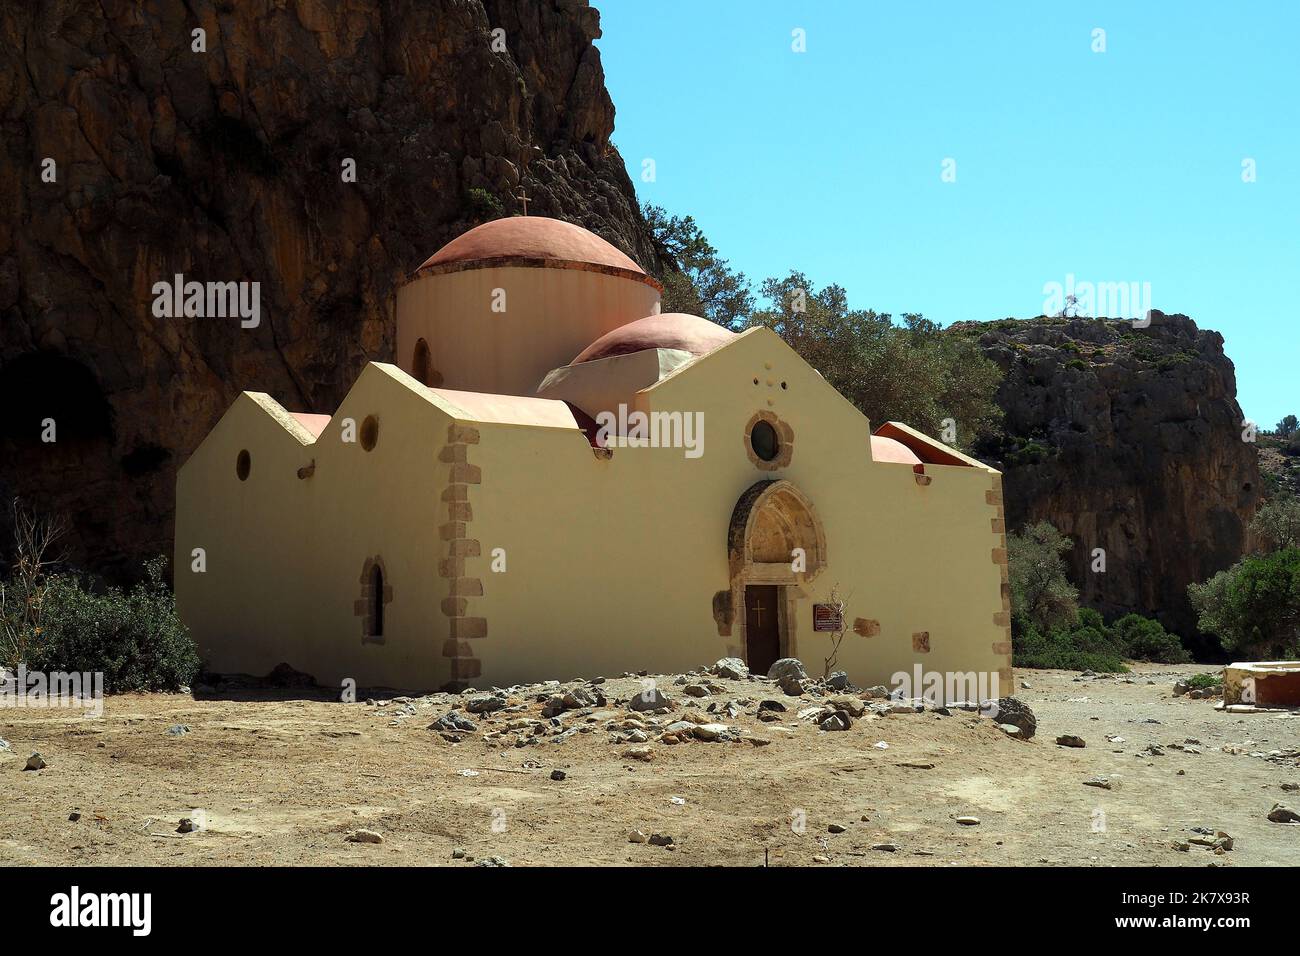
x=284 y=781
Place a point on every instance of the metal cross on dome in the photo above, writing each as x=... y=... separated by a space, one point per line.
x=523 y=199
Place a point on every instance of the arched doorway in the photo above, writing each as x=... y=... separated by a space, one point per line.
x=775 y=545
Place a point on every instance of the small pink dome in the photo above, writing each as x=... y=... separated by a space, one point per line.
x=888 y=449
x=668 y=330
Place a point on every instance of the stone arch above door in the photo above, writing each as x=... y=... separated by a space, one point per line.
x=770 y=520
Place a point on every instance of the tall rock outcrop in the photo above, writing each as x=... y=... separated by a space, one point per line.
x=227 y=163
x=1129 y=440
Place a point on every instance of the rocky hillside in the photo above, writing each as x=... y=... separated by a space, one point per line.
x=1129 y=440
x=226 y=164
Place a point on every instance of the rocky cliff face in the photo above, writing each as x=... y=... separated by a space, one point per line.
x=1129 y=440
x=227 y=165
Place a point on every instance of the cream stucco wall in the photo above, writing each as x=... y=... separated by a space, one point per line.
x=611 y=563
x=550 y=316
x=285 y=555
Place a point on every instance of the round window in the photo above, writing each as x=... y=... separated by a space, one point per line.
x=369 y=432
x=763 y=439
x=242 y=465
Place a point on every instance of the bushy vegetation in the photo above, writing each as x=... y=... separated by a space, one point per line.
x=1278 y=523
x=1041 y=593
x=52 y=620
x=1253 y=607
x=913 y=371
x=1204 y=681
x=1049 y=629
x=698 y=281
x=132 y=636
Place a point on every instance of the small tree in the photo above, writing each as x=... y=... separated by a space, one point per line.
x=23 y=592
x=841 y=609
x=1040 y=589
x=1254 y=606
x=1278 y=522
x=698 y=281
x=1287 y=426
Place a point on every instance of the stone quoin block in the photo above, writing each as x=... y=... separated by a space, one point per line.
x=999 y=525
x=921 y=642
x=451 y=567
x=466 y=587
x=453 y=453
x=468 y=628
x=465 y=668
x=451 y=530
x=1000 y=556
x=456 y=493
x=865 y=627
x=466 y=474
x=454 y=648
x=1002 y=618
x=462 y=433
x=1002 y=647
x=466 y=548
x=455 y=606
x=460 y=511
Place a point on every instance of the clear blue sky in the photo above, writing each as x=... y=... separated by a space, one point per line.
x=1117 y=166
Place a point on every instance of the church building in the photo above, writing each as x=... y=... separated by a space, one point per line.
x=554 y=479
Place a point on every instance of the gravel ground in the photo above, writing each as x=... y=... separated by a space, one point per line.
x=280 y=778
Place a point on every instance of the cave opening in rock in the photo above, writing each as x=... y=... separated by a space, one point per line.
x=44 y=395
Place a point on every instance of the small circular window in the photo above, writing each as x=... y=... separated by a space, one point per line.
x=369 y=432
x=763 y=439
x=242 y=465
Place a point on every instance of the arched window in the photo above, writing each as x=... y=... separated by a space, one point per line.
x=420 y=362
x=376 y=600
x=422 y=366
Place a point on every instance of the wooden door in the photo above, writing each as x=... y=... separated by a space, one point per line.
x=762 y=632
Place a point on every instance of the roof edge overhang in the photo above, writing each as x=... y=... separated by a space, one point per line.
x=530 y=262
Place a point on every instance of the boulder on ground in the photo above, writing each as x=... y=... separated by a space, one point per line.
x=732 y=668
x=651 y=699
x=1283 y=814
x=1012 y=710
x=454 y=722
x=484 y=703
x=847 y=703
x=787 y=668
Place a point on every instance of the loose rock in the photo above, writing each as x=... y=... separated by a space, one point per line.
x=1283 y=814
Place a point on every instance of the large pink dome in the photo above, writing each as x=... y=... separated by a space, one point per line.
x=532 y=241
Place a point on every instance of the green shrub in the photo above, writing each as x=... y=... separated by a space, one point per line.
x=1254 y=606
x=1204 y=681
x=1039 y=587
x=1066 y=648
x=483 y=204
x=133 y=637
x=1143 y=639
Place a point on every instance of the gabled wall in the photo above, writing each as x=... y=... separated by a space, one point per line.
x=286 y=555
